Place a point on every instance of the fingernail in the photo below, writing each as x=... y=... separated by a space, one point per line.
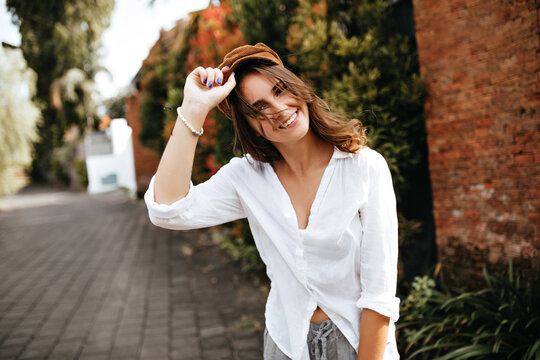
x=204 y=81
x=210 y=84
x=225 y=67
x=218 y=81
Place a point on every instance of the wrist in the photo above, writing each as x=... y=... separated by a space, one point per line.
x=194 y=109
x=195 y=116
x=187 y=123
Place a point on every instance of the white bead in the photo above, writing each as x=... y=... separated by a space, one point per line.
x=198 y=133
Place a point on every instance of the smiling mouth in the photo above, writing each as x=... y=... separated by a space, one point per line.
x=289 y=121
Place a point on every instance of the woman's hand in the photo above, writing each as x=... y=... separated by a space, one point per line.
x=204 y=89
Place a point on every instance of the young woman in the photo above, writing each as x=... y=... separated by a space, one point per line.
x=320 y=204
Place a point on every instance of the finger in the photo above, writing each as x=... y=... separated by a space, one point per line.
x=231 y=83
x=218 y=75
x=210 y=77
x=201 y=73
x=226 y=72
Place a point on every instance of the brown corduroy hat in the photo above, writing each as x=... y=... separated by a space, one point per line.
x=239 y=56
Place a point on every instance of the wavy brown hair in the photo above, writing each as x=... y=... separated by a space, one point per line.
x=347 y=135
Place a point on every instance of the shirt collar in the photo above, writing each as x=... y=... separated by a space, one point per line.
x=338 y=154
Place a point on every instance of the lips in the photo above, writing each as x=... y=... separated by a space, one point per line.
x=288 y=123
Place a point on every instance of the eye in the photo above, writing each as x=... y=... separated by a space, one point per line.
x=261 y=107
x=280 y=88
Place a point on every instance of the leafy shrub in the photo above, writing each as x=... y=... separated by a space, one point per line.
x=19 y=117
x=501 y=321
x=356 y=58
x=352 y=54
x=238 y=243
x=59 y=172
x=82 y=173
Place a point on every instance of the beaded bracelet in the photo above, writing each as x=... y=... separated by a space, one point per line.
x=198 y=133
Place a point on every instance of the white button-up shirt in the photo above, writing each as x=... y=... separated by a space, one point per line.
x=344 y=261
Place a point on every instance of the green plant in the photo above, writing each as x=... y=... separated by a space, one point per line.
x=238 y=243
x=59 y=172
x=60 y=38
x=358 y=60
x=19 y=117
x=501 y=321
x=82 y=173
x=353 y=55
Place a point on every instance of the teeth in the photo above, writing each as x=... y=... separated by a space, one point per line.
x=291 y=119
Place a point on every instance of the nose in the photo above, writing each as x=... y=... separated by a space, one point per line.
x=276 y=107
x=280 y=106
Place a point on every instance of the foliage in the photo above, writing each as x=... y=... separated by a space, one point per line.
x=353 y=54
x=59 y=172
x=365 y=69
x=348 y=50
x=82 y=172
x=238 y=242
x=203 y=39
x=115 y=107
x=501 y=321
x=18 y=119
x=60 y=41
x=66 y=163
x=259 y=22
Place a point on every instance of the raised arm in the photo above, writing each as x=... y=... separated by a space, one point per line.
x=202 y=92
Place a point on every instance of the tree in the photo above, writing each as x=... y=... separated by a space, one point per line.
x=18 y=119
x=58 y=36
x=266 y=21
x=116 y=106
x=353 y=55
x=203 y=38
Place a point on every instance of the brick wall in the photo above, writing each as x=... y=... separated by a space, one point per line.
x=146 y=160
x=480 y=60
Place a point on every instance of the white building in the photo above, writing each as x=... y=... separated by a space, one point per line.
x=109 y=159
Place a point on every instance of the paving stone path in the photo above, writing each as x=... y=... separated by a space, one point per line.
x=89 y=277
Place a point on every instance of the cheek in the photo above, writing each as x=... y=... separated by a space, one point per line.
x=256 y=127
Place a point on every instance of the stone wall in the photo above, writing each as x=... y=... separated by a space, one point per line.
x=480 y=60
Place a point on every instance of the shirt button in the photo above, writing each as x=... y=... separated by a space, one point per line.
x=299 y=251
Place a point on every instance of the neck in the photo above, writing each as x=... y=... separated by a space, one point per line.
x=303 y=156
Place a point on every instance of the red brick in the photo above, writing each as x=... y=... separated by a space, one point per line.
x=482 y=117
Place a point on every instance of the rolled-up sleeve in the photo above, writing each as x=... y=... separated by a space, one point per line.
x=210 y=203
x=379 y=245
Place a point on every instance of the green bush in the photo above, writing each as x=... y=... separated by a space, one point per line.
x=59 y=172
x=501 y=321
x=82 y=173
x=356 y=59
x=238 y=243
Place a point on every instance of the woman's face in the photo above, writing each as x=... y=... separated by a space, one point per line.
x=288 y=118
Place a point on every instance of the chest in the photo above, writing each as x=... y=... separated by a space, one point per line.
x=302 y=193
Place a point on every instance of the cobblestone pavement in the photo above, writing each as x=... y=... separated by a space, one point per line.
x=89 y=277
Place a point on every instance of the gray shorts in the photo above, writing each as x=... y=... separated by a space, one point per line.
x=325 y=342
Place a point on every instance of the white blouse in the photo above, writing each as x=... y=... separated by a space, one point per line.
x=344 y=261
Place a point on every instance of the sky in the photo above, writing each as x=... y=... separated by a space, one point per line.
x=135 y=27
